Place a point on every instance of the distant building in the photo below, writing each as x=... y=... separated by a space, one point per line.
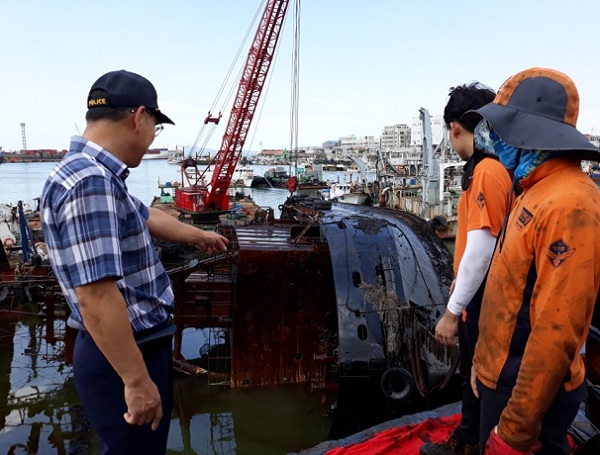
x=438 y=129
x=351 y=145
x=395 y=137
x=408 y=160
x=271 y=156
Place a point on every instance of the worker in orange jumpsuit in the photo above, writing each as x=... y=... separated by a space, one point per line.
x=481 y=209
x=545 y=272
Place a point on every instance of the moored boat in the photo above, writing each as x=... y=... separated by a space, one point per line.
x=305 y=182
x=161 y=153
x=243 y=176
x=276 y=177
x=176 y=159
x=349 y=193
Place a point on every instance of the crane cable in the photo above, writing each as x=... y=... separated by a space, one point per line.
x=248 y=144
x=295 y=86
x=206 y=131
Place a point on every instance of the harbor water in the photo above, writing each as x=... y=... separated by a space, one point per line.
x=39 y=408
x=24 y=181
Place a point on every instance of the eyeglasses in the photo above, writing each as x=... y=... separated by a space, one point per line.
x=158 y=127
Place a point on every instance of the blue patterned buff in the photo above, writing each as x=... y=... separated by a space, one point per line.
x=521 y=161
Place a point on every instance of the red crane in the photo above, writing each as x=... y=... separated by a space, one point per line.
x=262 y=50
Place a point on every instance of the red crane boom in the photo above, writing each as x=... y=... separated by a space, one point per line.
x=251 y=84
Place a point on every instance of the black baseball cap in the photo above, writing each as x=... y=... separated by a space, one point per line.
x=126 y=89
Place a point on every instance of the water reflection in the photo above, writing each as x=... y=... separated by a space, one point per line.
x=265 y=420
x=41 y=413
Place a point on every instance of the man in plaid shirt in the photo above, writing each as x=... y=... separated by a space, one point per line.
x=100 y=247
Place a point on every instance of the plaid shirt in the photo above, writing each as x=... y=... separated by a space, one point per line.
x=95 y=229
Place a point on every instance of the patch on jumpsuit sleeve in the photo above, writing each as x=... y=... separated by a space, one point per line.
x=558 y=252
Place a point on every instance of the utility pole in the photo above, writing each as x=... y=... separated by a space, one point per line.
x=427 y=160
x=23 y=136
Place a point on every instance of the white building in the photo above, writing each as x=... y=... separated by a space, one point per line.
x=438 y=129
x=409 y=159
x=395 y=137
x=351 y=145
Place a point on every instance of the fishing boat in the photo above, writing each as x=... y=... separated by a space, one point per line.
x=349 y=193
x=161 y=153
x=243 y=176
x=175 y=158
x=353 y=191
x=275 y=177
x=310 y=183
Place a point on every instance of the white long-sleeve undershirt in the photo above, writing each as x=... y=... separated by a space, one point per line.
x=472 y=268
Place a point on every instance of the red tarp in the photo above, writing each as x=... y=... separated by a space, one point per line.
x=407 y=439
x=404 y=440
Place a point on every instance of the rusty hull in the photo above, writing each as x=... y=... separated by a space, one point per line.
x=284 y=306
x=273 y=298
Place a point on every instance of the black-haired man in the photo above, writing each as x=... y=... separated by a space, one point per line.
x=481 y=209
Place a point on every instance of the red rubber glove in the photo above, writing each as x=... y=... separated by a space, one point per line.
x=495 y=445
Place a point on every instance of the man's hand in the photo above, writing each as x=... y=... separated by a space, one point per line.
x=165 y=227
x=143 y=404
x=211 y=242
x=446 y=328
x=495 y=445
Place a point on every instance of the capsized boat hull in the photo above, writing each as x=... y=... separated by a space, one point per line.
x=290 y=301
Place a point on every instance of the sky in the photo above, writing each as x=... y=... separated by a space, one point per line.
x=363 y=64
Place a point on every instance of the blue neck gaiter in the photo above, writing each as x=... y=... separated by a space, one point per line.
x=521 y=161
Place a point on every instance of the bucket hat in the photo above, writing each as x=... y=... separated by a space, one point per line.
x=538 y=109
x=126 y=89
